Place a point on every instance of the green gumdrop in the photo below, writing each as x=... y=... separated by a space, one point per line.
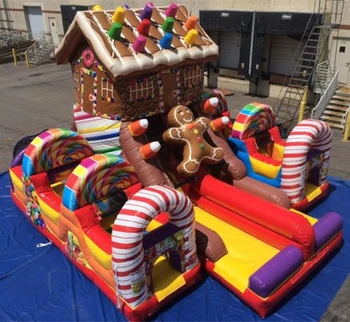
x=168 y=24
x=115 y=30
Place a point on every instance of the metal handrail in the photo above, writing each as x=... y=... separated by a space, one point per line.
x=36 y=47
x=10 y=38
x=345 y=117
x=324 y=68
x=346 y=126
x=325 y=98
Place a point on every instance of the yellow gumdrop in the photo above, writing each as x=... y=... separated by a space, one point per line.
x=191 y=36
x=119 y=15
x=97 y=8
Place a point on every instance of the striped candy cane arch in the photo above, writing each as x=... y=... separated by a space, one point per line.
x=128 y=233
x=308 y=134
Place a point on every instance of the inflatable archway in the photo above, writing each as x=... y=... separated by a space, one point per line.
x=49 y=150
x=128 y=234
x=52 y=149
x=95 y=178
x=253 y=119
x=306 y=136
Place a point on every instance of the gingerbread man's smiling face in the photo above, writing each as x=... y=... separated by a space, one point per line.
x=182 y=115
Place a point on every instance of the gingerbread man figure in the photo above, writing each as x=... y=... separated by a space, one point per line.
x=189 y=131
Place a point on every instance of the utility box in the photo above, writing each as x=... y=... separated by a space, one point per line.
x=260 y=88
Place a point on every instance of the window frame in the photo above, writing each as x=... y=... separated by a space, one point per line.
x=137 y=93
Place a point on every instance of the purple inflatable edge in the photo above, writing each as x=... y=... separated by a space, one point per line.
x=272 y=274
x=17 y=159
x=326 y=228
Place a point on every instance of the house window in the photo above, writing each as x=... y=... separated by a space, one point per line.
x=107 y=90
x=342 y=49
x=76 y=80
x=193 y=76
x=141 y=88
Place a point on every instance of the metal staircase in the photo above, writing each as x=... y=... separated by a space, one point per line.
x=338 y=108
x=314 y=51
x=41 y=49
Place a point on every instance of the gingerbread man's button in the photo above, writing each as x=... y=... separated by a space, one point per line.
x=189 y=131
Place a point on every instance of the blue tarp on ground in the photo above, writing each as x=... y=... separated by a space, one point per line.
x=40 y=284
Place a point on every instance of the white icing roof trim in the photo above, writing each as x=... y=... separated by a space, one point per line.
x=120 y=66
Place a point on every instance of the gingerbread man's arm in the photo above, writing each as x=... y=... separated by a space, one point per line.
x=203 y=122
x=172 y=134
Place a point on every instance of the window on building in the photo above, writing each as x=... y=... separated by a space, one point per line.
x=342 y=49
x=193 y=76
x=106 y=89
x=142 y=88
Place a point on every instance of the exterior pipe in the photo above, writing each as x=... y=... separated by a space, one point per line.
x=14 y=56
x=303 y=104
x=252 y=45
x=347 y=128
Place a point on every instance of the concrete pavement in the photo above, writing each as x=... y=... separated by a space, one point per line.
x=32 y=100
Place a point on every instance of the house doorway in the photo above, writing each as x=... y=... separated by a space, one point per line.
x=343 y=59
x=88 y=90
x=171 y=92
x=53 y=30
x=35 y=21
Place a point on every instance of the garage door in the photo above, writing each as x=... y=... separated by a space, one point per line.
x=283 y=57
x=36 y=21
x=230 y=44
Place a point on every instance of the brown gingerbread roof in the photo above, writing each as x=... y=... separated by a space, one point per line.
x=119 y=57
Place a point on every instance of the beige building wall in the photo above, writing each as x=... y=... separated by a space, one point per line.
x=52 y=8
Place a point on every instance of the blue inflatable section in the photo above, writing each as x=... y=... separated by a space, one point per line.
x=240 y=150
x=38 y=283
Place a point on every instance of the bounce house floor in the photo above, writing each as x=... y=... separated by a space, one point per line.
x=245 y=254
x=38 y=283
x=165 y=279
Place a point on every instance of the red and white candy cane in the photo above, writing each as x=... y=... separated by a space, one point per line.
x=308 y=134
x=128 y=231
